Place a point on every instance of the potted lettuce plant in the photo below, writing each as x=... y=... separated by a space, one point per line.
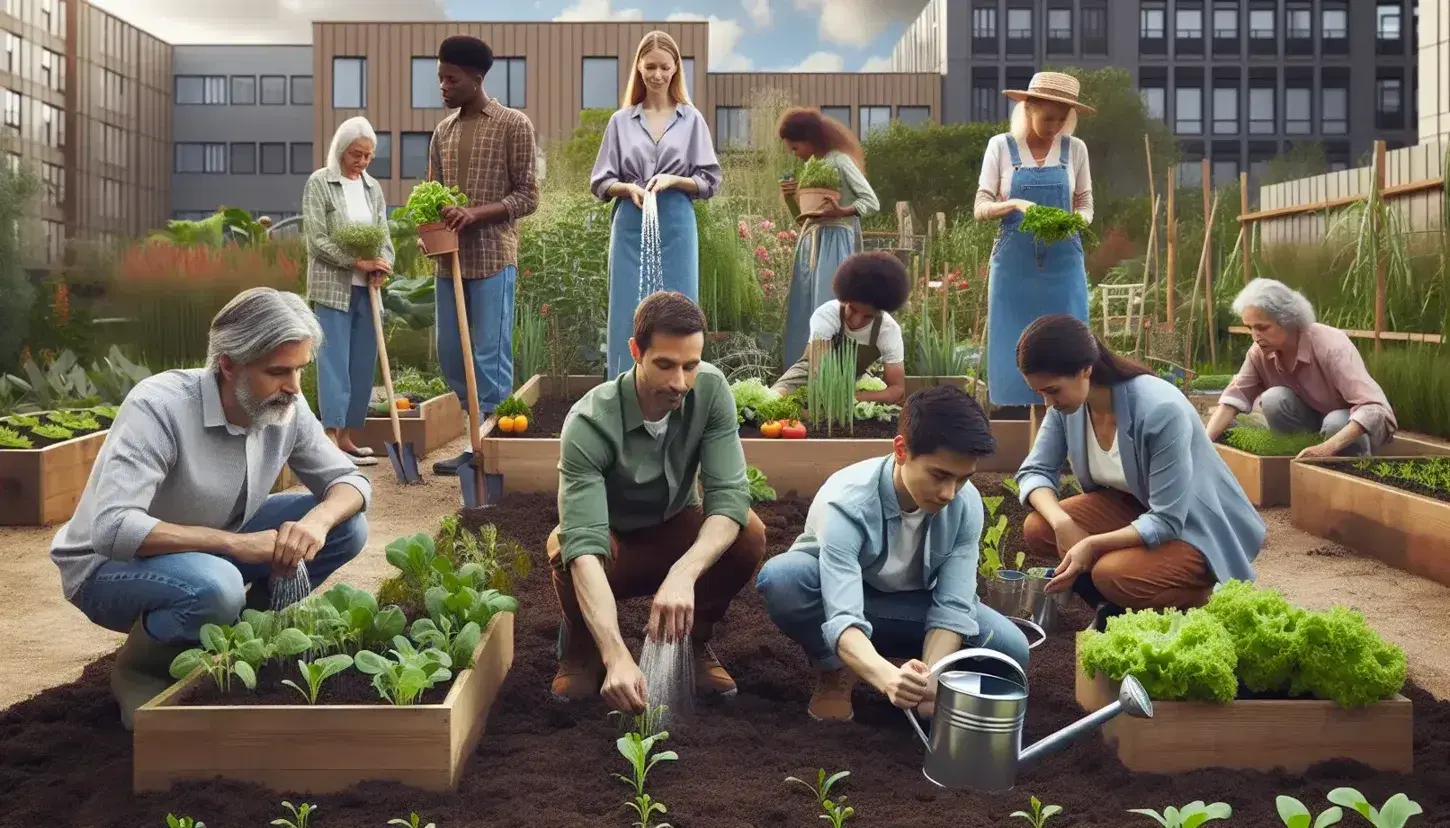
x=425 y=209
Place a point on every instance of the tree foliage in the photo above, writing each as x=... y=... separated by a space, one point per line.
x=1304 y=159
x=1114 y=133
x=18 y=192
x=933 y=166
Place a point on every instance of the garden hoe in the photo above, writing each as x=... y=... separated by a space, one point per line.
x=402 y=455
x=478 y=489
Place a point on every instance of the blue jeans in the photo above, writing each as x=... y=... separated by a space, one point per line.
x=679 y=258
x=489 y=304
x=346 y=361
x=176 y=594
x=791 y=584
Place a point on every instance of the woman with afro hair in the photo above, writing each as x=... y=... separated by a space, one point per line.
x=827 y=237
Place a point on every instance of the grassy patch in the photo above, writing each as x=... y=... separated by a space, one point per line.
x=1267 y=443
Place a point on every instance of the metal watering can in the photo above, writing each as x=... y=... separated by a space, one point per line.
x=976 y=730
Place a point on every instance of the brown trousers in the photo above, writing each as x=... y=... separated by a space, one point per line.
x=638 y=563
x=1173 y=575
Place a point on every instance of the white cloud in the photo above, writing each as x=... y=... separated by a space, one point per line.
x=724 y=37
x=857 y=22
x=759 y=11
x=821 y=62
x=598 y=10
x=876 y=64
x=258 y=21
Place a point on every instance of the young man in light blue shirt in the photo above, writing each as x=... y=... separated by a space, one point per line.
x=887 y=564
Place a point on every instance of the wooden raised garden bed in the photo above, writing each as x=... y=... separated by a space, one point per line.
x=432 y=425
x=1262 y=735
x=1264 y=479
x=41 y=486
x=323 y=748
x=1402 y=528
x=530 y=463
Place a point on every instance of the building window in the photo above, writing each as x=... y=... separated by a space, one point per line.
x=1225 y=172
x=1019 y=31
x=1389 y=102
x=274 y=90
x=273 y=158
x=600 y=83
x=732 y=127
x=413 y=164
x=1334 y=27
x=1263 y=31
x=426 y=94
x=52 y=70
x=382 y=163
x=193 y=157
x=244 y=158
x=113 y=145
x=349 y=83
x=1300 y=21
x=1094 y=28
x=113 y=91
x=11 y=101
x=1155 y=101
x=54 y=240
x=504 y=82
x=1188 y=23
x=1297 y=111
x=1334 y=110
x=1059 y=31
x=12 y=53
x=1152 y=21
x=873 y=119
x=913 y=115
x=1226 y=21
x=301 y=90
x=12 y=162
x=50 y=126
x=687 y=65
x=984 y=23
x=839 y=114
x=1261 y=111
x=1387 y=21
x=53 y=177
x=1225 y=110
x=201 y=89
x=302 y=158
x=1189 y=174
x=1188 y=110
x=244 y=90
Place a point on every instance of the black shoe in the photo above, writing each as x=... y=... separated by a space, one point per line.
x=1106 y=611
x=449 y=468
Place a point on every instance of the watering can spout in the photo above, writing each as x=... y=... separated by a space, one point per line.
x=1132 y=700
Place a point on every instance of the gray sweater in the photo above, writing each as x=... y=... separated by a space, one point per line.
x=172 y=456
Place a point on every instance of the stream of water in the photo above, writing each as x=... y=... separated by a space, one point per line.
x=669 y=676
x=651 y=268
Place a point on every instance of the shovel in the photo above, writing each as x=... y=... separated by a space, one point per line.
x=479 y=489
x=402 y=455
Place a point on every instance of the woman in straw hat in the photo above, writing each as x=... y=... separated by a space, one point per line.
x=657 y=144
x=1036 y=162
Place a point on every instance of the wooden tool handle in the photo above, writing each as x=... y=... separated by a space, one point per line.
x=466 y=340
x=383 y=358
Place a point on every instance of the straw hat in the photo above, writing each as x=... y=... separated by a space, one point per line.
x=1051 y=86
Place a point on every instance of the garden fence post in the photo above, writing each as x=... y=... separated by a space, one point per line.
x=1244 y=234
x=1209 y=317
x=1381 y=275
x=1172 y=229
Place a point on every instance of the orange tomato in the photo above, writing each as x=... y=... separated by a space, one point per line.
x=403 y=403
x=506 y=424
x=771 y=429
x=521 y=424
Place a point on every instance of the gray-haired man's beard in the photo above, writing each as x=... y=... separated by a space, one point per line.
x=277 y=409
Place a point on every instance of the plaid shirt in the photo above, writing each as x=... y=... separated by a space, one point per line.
x=498 y=168
x=324 y=209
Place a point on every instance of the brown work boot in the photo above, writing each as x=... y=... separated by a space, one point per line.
x=832 y=700
x=711 y=678
x=580 y=674
x=141 y=671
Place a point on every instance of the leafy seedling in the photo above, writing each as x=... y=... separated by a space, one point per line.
x=402 y=679
x=1191 y=815
x=1040 y=813
x=645 y=807
x=173 y=821
x=413 y=555
x=466 y=604
x=645 y=724
x=458 y=643
x=411 y=822
x=367 y=624
x=235 y=651
x=316 y=672
x=1396 y=811
x=1294 y=815
x=836 y=810
x=637 y=751
x=299 y=815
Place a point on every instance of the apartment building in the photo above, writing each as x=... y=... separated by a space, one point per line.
x=85 y=102
x=1237 y=80
x=1434 y=85
x=552 y=71
x=242 y=130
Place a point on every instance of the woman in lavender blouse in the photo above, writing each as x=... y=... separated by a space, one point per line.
x=659 y=143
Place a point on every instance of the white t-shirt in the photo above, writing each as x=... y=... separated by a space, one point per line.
x=826 y=323
x=901 y=571
x=657 y=428
x=1106 y=467
x=995 y=182
x=358 y=211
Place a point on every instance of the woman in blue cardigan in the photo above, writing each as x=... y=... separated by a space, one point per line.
x=1161 y=519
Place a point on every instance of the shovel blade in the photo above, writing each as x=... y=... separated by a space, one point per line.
x=405 y=463
x=480 y=489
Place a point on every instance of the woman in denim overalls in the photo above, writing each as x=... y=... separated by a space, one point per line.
x=1038 y=162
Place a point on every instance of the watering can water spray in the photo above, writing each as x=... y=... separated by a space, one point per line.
x=976 y=731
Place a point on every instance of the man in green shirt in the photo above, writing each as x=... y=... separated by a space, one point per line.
x=630 y=521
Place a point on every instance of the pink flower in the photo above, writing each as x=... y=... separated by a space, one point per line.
x=767 y=225
x=544 y=310
x=785 y=236
x=761 y=253
x=962 y=285
x=743 y=229
x=765 y=287
x=528 y=272
x=767 y=275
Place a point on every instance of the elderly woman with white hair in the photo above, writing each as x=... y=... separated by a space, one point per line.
x=1306 y=377
x=1037 y=162
x=338 y=282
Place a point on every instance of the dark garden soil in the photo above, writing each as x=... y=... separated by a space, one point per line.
x=549 y=412
x=64 y=759
x=1394 y=482
x=348 y=687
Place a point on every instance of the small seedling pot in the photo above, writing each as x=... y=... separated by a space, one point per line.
x=1045 y=610
x=437 y=238
x=1005 y=592
x=813 y=200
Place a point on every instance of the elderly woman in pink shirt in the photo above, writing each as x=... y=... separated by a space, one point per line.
x=1305 y=376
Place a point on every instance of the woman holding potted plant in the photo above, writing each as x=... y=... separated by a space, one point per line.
x=656 y=146
x=829 y=196
x=344 y=221
x=1161 y=520
x=1038 y=163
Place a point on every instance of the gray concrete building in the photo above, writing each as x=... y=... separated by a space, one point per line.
x=242 y=129
x=1237 y=80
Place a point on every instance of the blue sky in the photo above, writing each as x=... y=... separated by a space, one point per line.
x=745 y=35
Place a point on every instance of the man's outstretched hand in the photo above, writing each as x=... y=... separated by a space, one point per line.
x=624 y=686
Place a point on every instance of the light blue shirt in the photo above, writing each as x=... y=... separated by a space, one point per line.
x=629 y=153
x=1170 y=466
x=849 y=529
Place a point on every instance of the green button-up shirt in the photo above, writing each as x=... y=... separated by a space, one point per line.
x=615 y=475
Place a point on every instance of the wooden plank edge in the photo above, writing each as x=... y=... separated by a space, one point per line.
x=1323 y=464
x=66 y=445
x=1391 y=336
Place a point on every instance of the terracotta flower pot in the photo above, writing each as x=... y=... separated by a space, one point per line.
x=814 y=200
x=437 y=239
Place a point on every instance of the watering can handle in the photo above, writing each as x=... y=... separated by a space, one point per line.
x=960 y=655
